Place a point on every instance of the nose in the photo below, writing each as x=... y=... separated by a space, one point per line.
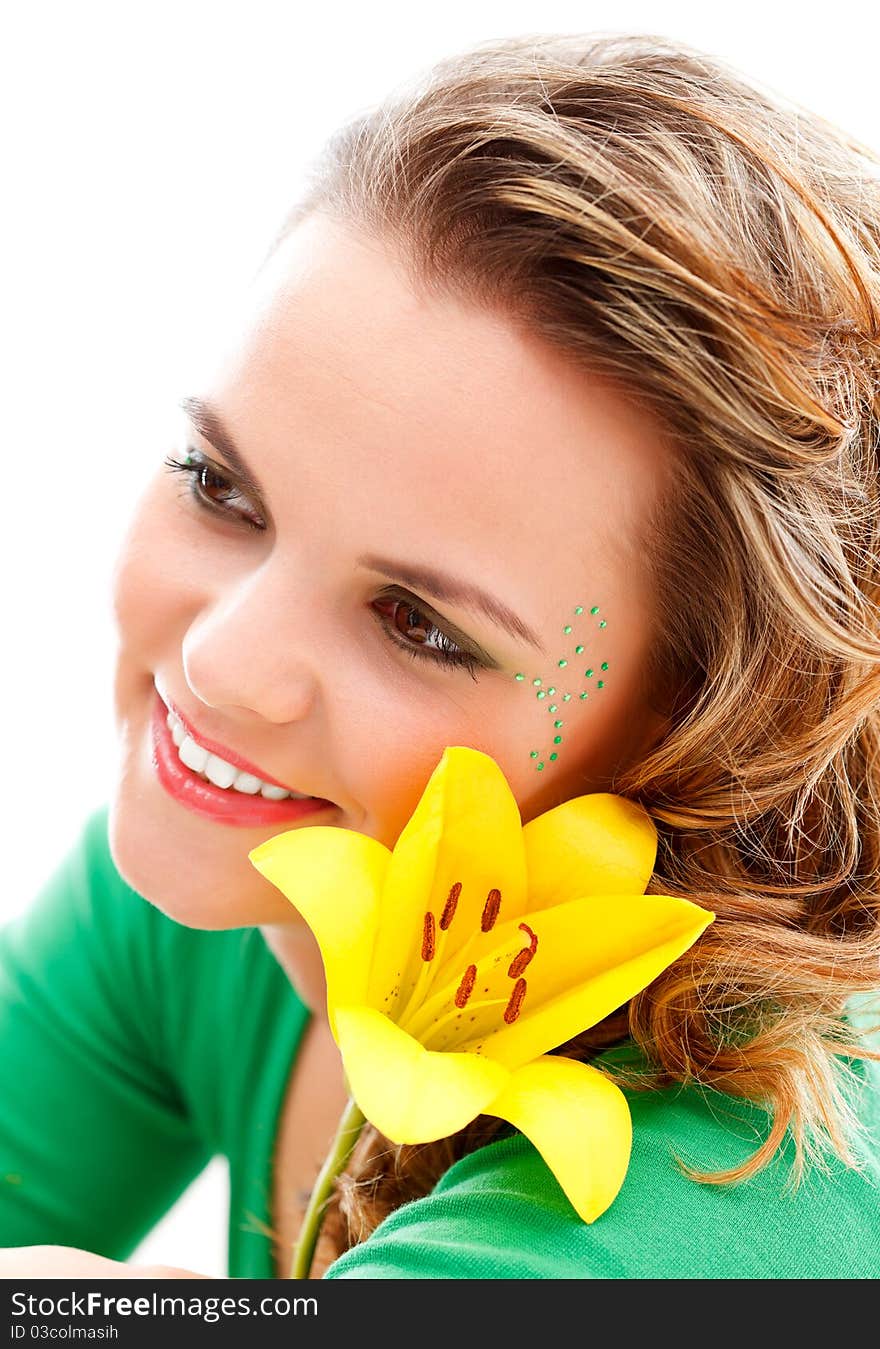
x=250 y=647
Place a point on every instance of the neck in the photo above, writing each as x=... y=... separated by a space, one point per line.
x=298 y=954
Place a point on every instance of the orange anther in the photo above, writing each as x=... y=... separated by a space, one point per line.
x=466 y=986
x=511 y=1011
x=428 y=938
x=449 y=907
x=522 y=958
x=490 y=910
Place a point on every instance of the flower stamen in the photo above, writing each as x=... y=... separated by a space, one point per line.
x=428 y=938
x=449 y=907
x=490 y=910
x=466 y=987
x=512 y=1010
x=522 y=958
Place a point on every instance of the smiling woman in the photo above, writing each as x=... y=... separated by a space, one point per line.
x=276 y=634
x=548 y=429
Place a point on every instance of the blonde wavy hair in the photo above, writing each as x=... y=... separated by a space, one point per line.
x=647 y=211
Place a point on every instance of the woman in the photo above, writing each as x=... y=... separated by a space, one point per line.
x=580 y=326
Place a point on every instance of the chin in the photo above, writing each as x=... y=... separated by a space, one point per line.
x=203 y=883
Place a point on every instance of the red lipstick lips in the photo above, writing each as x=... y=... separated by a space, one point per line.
x=224 y=805
x=214 y=747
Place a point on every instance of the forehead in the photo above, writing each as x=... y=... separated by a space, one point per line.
x=440 y=420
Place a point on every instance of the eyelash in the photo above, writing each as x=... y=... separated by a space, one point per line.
x=447 y=653
x=194 y=469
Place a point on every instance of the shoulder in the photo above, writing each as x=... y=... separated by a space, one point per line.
x=84 y=897
x=88 y=898
x=89 y=941
x=499 y=1213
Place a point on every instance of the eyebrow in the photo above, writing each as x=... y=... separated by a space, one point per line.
x=440 y=585
x=448 y=589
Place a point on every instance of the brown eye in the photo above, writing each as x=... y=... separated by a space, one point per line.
x=414 y=632
x=406 y=621
x=211 y=490
x=209 y=482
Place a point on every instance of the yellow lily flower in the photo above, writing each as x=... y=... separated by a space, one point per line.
x=455 y=962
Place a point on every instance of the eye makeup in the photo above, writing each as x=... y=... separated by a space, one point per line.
x=204 y=476
x=570 y=672
x=452 y=647
x=439 y=641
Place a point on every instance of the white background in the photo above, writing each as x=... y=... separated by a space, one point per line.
x=148 y=154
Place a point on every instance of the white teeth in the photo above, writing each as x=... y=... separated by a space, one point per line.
x=218 y=771
x=192 y=755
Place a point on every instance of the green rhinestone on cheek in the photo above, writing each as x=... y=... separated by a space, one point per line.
x=583 y=696
x=595 y=609
x=539 y=765
x=540 y=694
x=554 y=755
x=579 y=651
x=557 y=739
x=562 y=663
x=579 y=608
x=533 y=754
x=567 y=628
x=519 y=677
x=566 y=697
x=552 y=707
x=601 y=683
x=604 y=665
x=603 y=624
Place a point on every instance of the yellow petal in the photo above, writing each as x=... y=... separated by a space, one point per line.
x=580 y=1123
x=411 y=1095
x=334 y=877
x=466 y=831
x=590 y=956
x=600 y=844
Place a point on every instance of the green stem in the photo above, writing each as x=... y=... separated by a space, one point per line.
x=347 y=1134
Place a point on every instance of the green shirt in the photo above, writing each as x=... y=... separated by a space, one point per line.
x=133 y=1050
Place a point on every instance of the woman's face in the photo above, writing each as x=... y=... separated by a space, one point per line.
x=431 y=482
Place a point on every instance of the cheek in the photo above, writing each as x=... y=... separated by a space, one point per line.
x=576 y=726
x=144 y=583
x=394 y=745
x=155 y=584
x=394 y=735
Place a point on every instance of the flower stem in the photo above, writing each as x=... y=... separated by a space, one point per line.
x=350 y=1125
